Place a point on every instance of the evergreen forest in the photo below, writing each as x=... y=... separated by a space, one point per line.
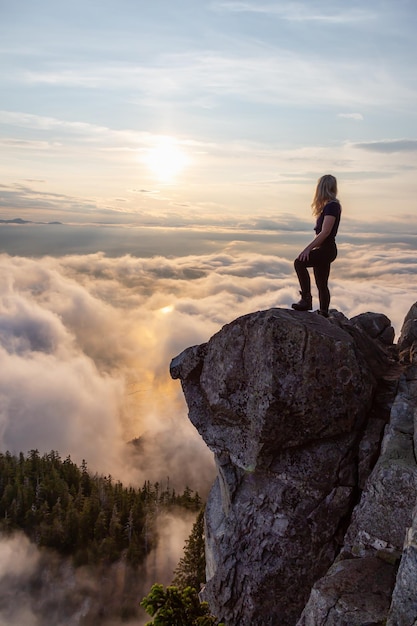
x=90 y=518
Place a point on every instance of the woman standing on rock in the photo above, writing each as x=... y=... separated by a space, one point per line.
x=322 y=251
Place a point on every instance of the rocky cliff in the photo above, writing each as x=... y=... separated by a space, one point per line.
x=311 y=421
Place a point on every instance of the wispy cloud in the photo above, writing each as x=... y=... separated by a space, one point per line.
x=258 y=72
x=296 y=11
x=75 y=129
x=27 y=144
x=351 y=116
x=389 y=145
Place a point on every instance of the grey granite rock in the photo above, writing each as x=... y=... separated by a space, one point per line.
x=284 y=400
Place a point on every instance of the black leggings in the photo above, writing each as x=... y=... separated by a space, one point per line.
x=320 y=260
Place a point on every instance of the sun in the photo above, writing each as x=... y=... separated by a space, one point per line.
x=166 y=159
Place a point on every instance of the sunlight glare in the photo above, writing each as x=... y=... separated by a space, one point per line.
x=166 y=159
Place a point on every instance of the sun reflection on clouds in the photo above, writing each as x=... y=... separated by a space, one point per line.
x=167 y=309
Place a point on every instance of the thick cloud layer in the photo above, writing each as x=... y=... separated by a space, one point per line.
x=86 y=342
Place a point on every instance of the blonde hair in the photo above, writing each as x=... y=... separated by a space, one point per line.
x=326 y=191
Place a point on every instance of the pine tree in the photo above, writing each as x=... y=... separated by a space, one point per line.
x=191 y=570
x=172 y=606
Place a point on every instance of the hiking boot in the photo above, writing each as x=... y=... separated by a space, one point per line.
x=305 y=304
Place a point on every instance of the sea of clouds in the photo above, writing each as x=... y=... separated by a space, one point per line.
x=86 y=342
x=85 y=346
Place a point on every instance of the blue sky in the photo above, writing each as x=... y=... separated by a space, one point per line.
x=172 y=113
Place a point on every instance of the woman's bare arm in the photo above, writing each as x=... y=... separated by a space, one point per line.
x=328 y=224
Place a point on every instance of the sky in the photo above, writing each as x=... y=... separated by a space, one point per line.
x=206 y=113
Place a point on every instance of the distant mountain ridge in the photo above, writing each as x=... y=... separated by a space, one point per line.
x=19 y=220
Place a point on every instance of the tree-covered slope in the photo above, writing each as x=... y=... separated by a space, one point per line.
x=88 y=517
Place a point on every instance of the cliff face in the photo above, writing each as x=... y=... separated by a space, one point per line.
x=294 y=407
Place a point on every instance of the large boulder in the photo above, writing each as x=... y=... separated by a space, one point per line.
x=283 y=399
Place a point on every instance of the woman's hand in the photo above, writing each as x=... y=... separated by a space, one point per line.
x=304 y=255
